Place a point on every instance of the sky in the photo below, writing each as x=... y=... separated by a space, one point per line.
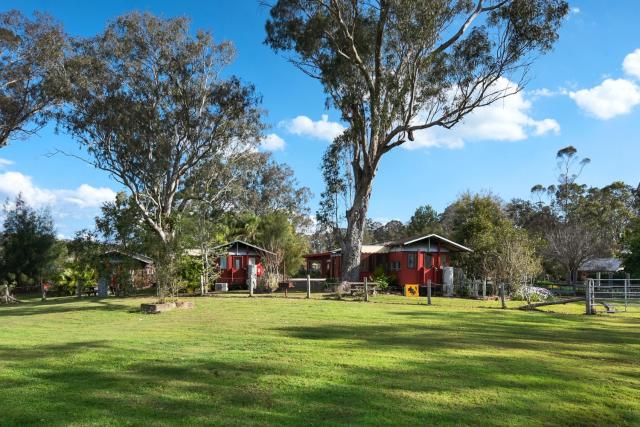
x=585 y=93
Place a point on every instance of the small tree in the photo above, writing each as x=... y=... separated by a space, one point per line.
x=516 y=260
x=29 y=245
x=31 y=62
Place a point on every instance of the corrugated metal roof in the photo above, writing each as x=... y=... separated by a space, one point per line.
x=607 y=265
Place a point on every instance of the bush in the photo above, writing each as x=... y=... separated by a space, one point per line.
x=190 y=271
x=381 y=278
x=531 y=294
x=544 y=283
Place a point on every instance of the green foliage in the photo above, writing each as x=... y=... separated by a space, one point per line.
x=28 y=244
x=190 y=272
x=631 y=244
x=381 y=278
x=276 y=233
x=476 y=221
x=425 y=220
x=74 y=275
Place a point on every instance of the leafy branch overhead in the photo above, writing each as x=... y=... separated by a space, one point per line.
x=31 y=64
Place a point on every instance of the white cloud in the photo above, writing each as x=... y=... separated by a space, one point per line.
x=86 y=196
x=71 y=208
x=631 y=64
x=5 y=162
x=14 y=183
x=610 y=98
x=575 y=10
x=505 y=120
x=272 y=142
x=322 y=129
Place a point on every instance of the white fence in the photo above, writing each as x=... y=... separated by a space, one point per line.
x=611 y=293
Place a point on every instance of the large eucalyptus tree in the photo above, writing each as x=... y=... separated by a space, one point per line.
x=148 y=102
x=395 y=67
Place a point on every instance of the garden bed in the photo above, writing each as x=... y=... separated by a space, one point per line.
x=156 y=308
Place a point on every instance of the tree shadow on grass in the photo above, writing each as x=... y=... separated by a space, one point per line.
x=448 y=388
x=62 y=305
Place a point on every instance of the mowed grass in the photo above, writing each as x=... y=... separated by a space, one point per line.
x=275 y=361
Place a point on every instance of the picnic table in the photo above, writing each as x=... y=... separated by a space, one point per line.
x=93 y=290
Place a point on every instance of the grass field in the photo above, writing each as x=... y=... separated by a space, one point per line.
x=276 y=361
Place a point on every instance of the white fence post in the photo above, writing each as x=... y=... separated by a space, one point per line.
x=308 y=286
x=366 y=290
x=588 y=287
x=429 y=292
x=627 y=283
x=504 y=305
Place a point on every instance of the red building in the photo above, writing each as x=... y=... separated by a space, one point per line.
x=412 y=260
x=235 y=257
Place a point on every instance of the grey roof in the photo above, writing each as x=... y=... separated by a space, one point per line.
x=258 y=248
x=142 y=258
x=384 y=247
x=415 y=239
x=607 y=265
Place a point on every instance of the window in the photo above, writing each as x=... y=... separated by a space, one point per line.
x=428 y=261
x=443 y=260
x=394 y=265
x=411 y=260
x=237 y=262
x=252 y=260
x=223 y=262
x=315 y=266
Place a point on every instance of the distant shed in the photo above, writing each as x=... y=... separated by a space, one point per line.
x=601 y=265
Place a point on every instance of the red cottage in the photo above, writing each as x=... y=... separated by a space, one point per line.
x=235 y=258
x=412 y=260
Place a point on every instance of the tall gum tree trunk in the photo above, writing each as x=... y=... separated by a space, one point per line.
x=352 y=242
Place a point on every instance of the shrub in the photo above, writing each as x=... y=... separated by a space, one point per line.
x=381 y=278
x=531 y=294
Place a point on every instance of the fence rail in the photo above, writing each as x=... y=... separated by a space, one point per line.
x=611 y=290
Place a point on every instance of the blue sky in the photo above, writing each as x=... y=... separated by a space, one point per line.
x=585 y=93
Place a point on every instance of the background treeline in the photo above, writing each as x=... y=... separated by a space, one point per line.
x=551 y=234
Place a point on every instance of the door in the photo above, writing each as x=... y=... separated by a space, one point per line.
x=428 y=268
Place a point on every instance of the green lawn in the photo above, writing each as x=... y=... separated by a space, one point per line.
x=274 y=361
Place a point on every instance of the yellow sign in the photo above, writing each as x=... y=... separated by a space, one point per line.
x=411 y=291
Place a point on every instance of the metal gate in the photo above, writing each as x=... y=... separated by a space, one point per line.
x=612 y=294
